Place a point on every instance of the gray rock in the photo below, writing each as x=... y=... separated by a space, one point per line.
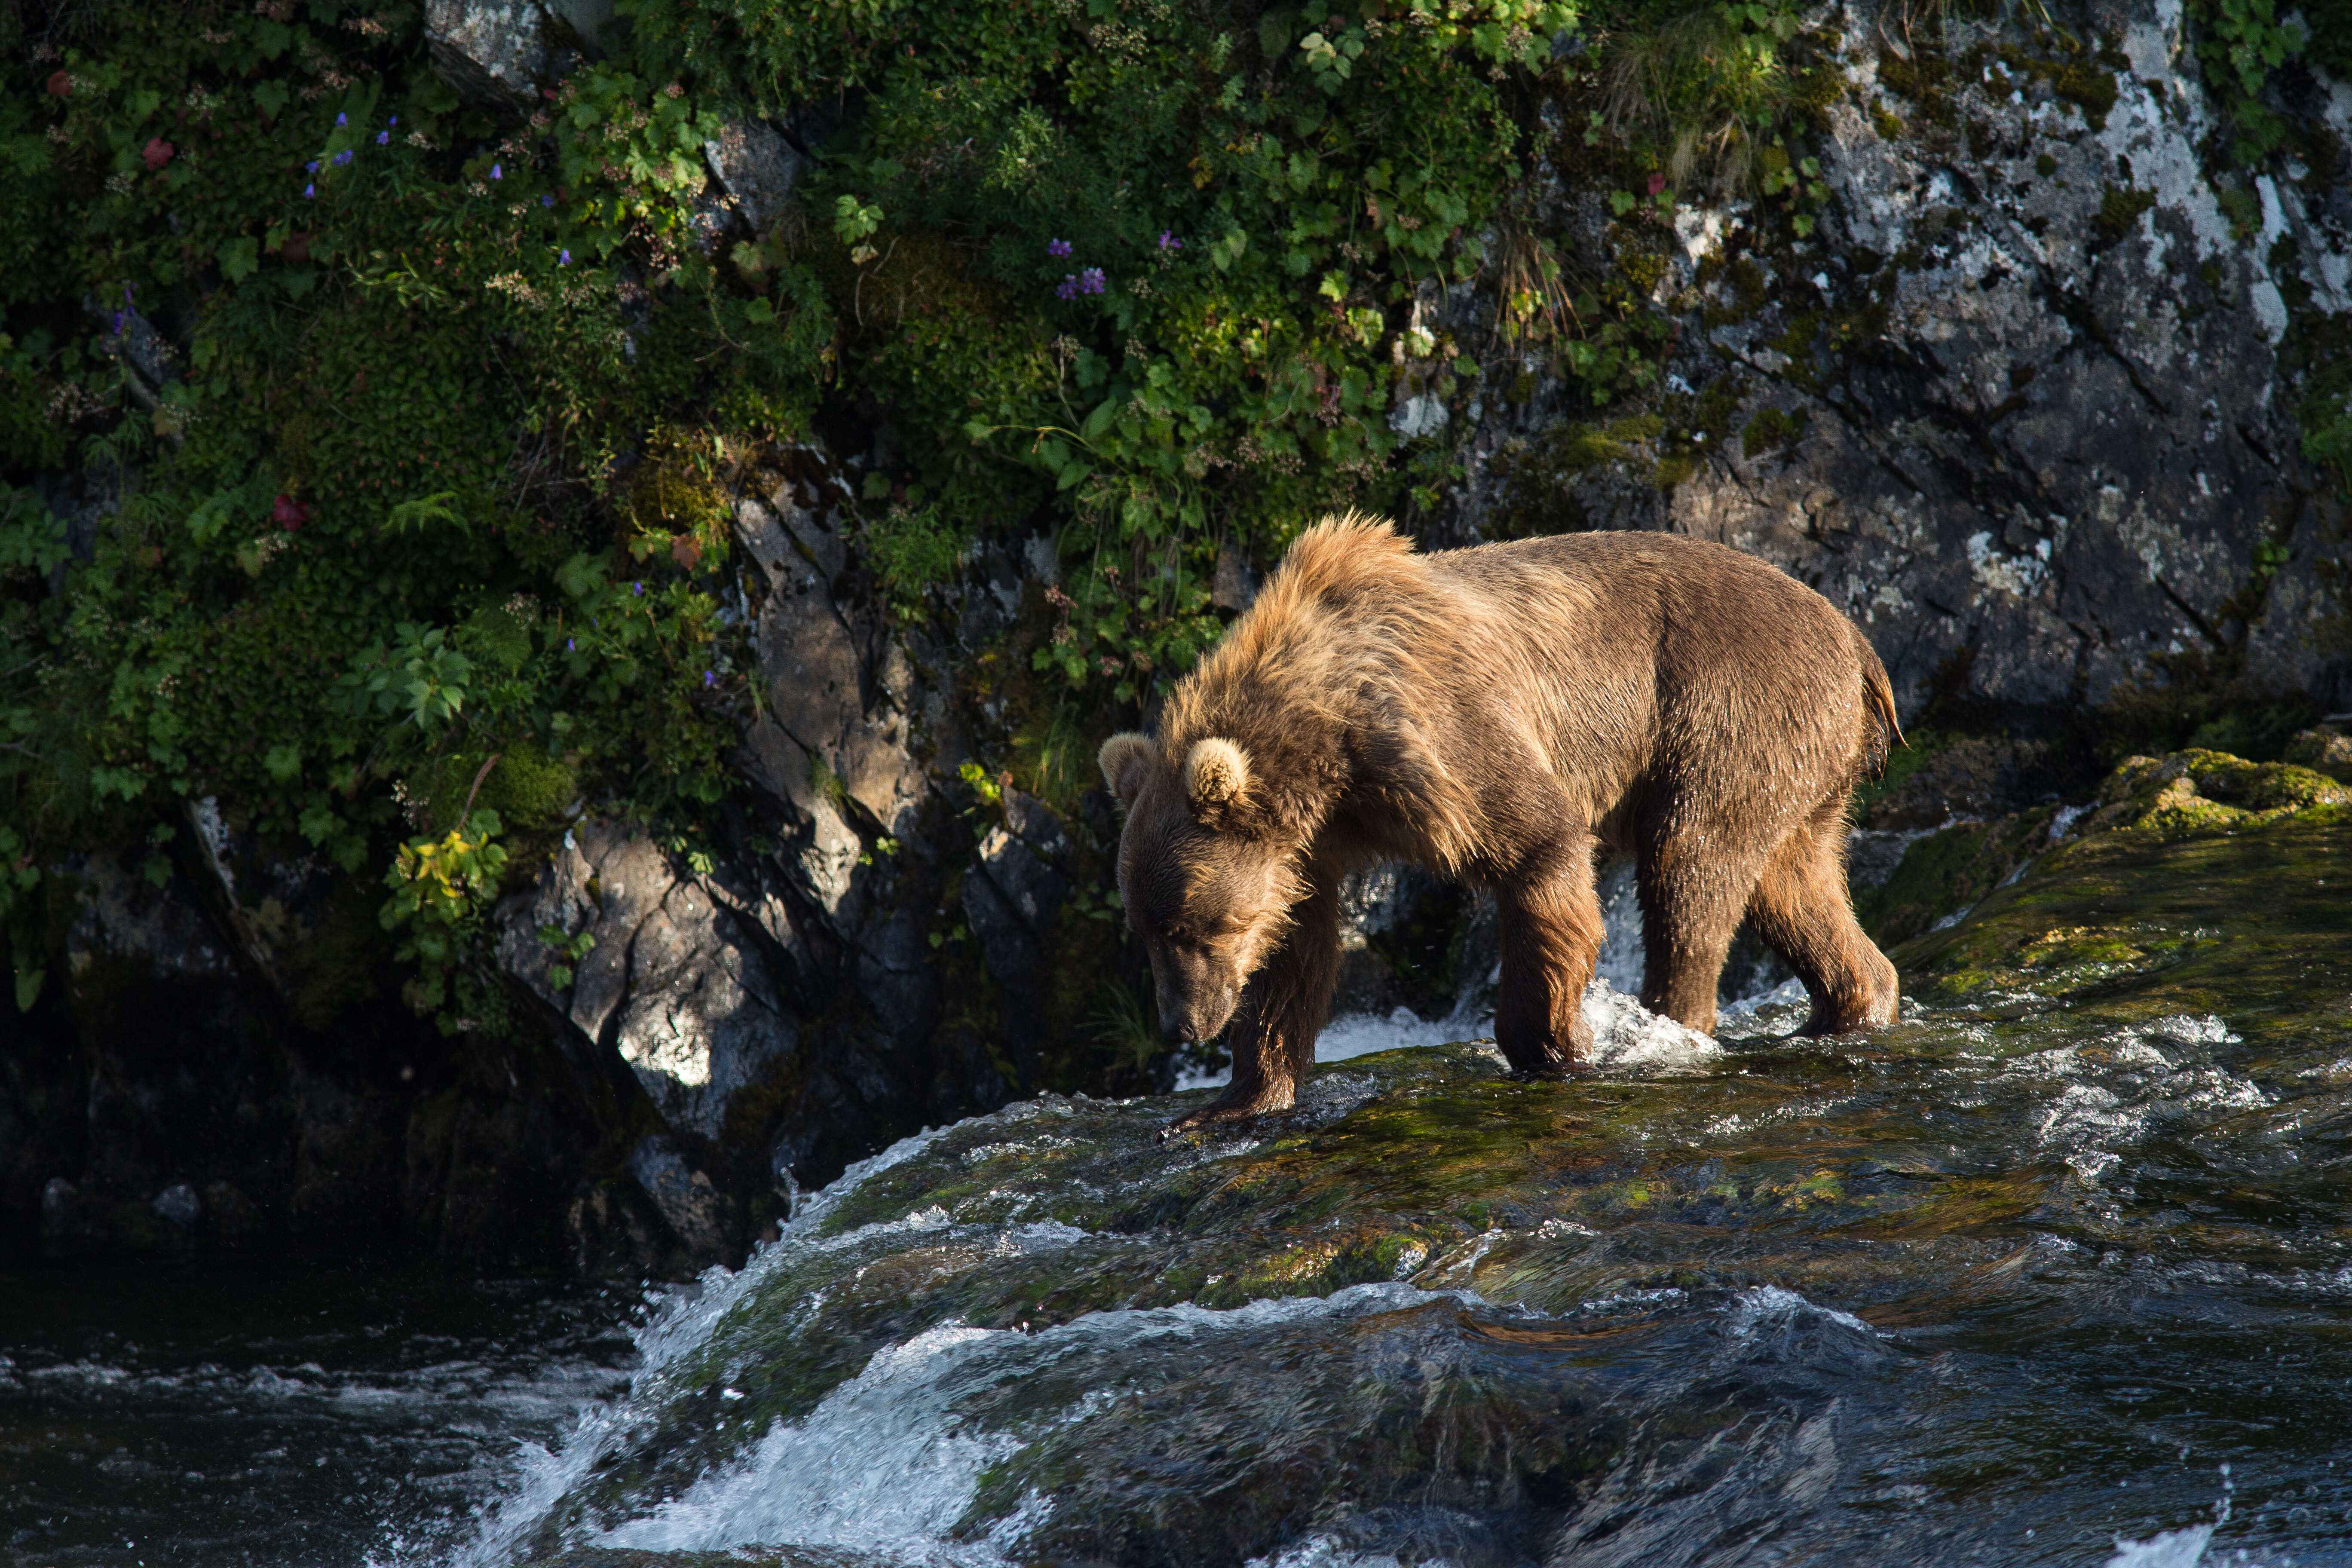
x=2059 y=452
x=490 y=51
x=178 y=1204
x=682 y=984
x=1236 y=584
x=501 y=52
x=126 y=916
x=703 y=1020
x=756 y=168
x=686 y=1198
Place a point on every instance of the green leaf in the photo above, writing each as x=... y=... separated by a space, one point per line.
x=28 y=987
x=238 y=258
x=270 y=96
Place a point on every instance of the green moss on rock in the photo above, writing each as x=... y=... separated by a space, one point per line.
x=2195 y=792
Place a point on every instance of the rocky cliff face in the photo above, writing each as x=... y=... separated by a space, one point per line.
x=2022 y=404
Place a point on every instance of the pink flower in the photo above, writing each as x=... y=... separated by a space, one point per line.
x=1657 y=184
x=288 y=513
x=158 y=152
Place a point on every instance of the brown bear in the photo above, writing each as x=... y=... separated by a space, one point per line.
x=1494 y=714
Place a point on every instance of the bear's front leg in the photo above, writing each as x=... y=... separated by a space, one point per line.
x=1551 y=936
x=1273 y=1032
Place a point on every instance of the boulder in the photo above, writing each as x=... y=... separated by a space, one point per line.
x=756 y=168
x=501 y=52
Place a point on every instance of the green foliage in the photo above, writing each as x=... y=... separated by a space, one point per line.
x=912 y=549
x=2325 y=414
x=2238 y=43
x=391 y=419
x=1713 y=85
x=406 y=431
x=1135 y=271
x=440 y=889
x=2119 y=212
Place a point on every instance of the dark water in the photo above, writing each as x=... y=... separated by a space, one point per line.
x=280 y=1411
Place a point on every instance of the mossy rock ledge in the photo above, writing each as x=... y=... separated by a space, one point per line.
x=1813 y=1293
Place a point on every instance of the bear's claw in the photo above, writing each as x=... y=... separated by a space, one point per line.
x=1229 y=1106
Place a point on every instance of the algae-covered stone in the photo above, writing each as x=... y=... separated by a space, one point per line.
x=1438 y=1313
x=2323 y=748
x=1943 y=874
x=2209 y=791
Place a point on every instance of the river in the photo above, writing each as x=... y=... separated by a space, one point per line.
x=2057 y=1269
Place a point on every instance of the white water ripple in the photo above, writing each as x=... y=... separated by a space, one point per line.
x=888 y=1463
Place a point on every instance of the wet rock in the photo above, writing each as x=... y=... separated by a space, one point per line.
x=2198 y=792
x=1698 y=1299
x=1944 y=874
x=695 y=1210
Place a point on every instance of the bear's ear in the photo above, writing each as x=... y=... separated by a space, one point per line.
x=1124 y=757
x=1216 y=776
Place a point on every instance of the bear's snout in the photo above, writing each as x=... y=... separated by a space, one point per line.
x=1194 y=1002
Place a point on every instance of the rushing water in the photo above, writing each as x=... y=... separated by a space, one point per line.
x=312 y=1411
x=2056 y=1270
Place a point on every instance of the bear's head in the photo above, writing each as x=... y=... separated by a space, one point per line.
x=1207 y=873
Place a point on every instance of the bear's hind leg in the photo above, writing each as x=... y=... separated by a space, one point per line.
x=1551 y=934
x=1802 y=908
x=1691 y=898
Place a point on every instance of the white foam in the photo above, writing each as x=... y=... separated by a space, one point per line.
x=1626 y=1036
x=682 y=1322
x=1323 y=1551
x=879 y=1466
x=1768 y=1304
x=2173 y=1549
x=888 y=1463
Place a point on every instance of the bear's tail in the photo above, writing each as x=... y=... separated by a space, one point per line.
x=1879 y=695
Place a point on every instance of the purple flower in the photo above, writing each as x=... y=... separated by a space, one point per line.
x=710 y=677
x=1168 y=241
x=567 y=645
x=1090 y=281
x=118 y=323
x=638 y=588
x=1057 y=248
x=311 y=167
x=341 y=120
x=497 y=173
x=311 y=191
x=547 y=201
x=563 y=259
x=1067 y=288
x=393 y=121
x=383 y=138
x=342 y=157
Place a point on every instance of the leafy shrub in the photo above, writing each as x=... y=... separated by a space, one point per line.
x=351 y=436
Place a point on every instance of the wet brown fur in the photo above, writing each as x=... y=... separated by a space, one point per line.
x=1497 y=714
